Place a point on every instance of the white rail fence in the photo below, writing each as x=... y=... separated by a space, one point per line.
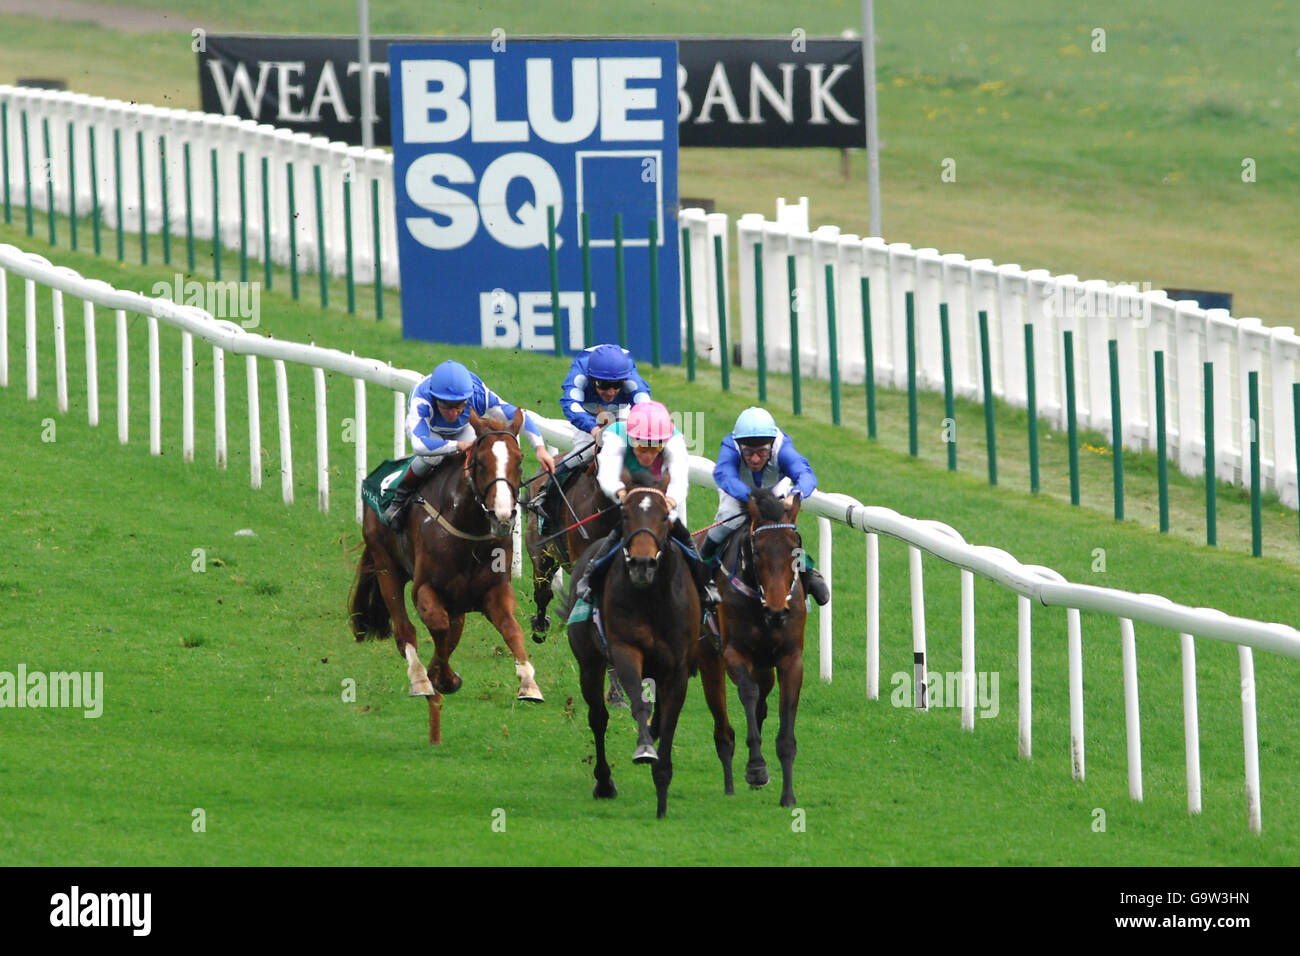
x=1142 y=321
x=1032 y=584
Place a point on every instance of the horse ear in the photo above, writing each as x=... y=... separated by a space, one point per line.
x=663 y=482
x=475 y=422
x=793 y=511
x=517 y=422
x=626 y=478
x=752 y=506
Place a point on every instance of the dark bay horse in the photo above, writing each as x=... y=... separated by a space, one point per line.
x=761 y=620
x=586 y=498
x=455 y=548
x=650 y=611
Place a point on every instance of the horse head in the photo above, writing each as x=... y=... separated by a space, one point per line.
x=646 y=527
x=493 y=466
x=777 y=552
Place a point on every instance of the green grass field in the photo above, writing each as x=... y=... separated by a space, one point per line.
x=225 y=688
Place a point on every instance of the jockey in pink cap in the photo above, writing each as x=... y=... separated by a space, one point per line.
x=649 y=443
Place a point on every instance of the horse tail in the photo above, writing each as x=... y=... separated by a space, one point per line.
x=367 y=612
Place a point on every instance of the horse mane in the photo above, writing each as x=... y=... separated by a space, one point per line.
x=495 y=419
x=770 y=507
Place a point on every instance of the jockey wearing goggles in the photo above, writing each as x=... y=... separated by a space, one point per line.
x=758 y=454
x=647 y=443
x=438 y=424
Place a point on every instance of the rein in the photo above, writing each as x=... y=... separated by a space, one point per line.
x=470 y=463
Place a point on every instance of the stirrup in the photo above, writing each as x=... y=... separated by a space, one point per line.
x=709 y=596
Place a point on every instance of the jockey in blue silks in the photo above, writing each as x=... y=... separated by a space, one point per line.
x=758 y=454
x=438 y=424
x=603 y=381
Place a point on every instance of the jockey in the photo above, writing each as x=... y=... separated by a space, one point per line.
x=647 y=443
x=438 y=423
x=603 y=380
x=758 y=454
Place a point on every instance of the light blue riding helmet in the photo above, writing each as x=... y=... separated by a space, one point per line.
x=755 y=423
x=452 y=382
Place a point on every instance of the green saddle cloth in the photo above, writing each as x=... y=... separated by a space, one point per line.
x=378 y=488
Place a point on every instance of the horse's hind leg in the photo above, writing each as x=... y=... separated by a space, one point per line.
x=393 y=588
x=436 y=619
x=714 y=681
x=544 y=565
x=791 y=671
x=592 y=681
x=747 y=688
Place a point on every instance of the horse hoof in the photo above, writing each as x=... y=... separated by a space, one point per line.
x=606 y=791
x=615 y=697
x=788 y=801
x=535 y=695
x=645 y=754
x=423 y=689
x=539 y=637
x=450 y=686
x=756 y=777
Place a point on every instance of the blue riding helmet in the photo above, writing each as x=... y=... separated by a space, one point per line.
x=452 y=382
x=755 y=423
x=609 y=363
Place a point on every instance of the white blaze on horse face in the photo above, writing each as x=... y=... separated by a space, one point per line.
x=502 y=503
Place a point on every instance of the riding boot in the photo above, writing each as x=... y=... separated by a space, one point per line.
x=586 y=585
x=396 y=510
x=815 y=584
x=710 y=552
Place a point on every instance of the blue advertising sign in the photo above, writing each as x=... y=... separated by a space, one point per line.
x=486 y=137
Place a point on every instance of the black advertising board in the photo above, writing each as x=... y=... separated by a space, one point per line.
x=769 y=92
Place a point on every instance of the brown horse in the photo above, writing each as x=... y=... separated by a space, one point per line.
x=584 y=495
x=761 y=620
x=650 y=611
x=455 y=549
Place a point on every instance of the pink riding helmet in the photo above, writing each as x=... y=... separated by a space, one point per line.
x=648 y=423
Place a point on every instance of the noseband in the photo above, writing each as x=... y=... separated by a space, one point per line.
x=753 y=558
x=481 y=495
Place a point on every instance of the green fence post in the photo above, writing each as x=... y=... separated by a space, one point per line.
x=1071 y=418
x=293 y=230
x=4 y=153
x=117 y=178
x=833 y=339
x=1032 y=401
x=1162 y=465
x=1116 y=430
x=949 y=405
x=760 y=333
x=27 y=172
x=1256 y=504
x=620 y=280
x=49 y=175
x=990 y=429
x=189 y=210
x=94 y=192
x=690 y=304
x=795 y=371
x=553 y=262
x=144 y=203
x=266 y=221
x=320 y=240
x=243 y=222
x=912 y=442
x=379 y=274
x=588 y=318
x=1211 y=484
x=347 y=240
x=654 y=291
x=720 y=271
x=72 y=185
x=166 y=206
x=868 y=357
x=216 y=220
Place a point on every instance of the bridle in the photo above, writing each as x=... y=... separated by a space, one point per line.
x=480 y=495
x=660 y=540
x=760 y=594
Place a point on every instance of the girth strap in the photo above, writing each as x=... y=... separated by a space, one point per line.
x=451 y=528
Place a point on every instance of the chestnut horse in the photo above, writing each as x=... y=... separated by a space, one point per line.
x=761 y=623
x=650 y=612
x=455 y=548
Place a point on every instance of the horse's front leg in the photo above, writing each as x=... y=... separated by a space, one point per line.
x=669 y=700
x=499 y=608
x=790 y=669
x=438 y=621
x=739 y=669
x=544 y=565
x=627 y=664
